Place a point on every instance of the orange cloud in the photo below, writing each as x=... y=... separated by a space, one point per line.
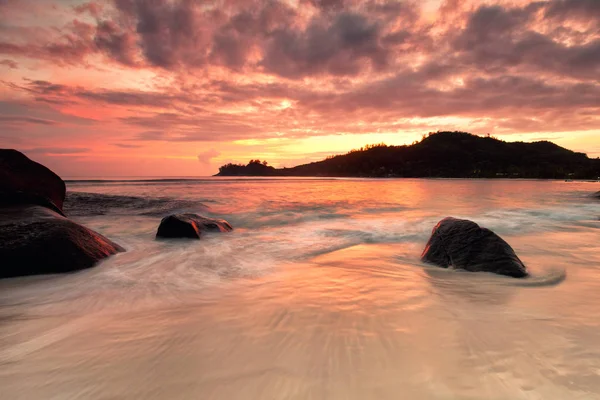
x=164 y=81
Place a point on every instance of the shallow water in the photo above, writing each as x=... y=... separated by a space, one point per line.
x=318 y=294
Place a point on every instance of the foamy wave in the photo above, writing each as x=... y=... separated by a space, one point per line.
x=94 y=204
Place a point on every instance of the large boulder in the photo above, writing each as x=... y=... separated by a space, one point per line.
x=190 y=226
x=35 y=236
x=23 y=181
x=460 y=243
x=36 y=240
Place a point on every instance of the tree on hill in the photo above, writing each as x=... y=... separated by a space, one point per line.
x=253 y=168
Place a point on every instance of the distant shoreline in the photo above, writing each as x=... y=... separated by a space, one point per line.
x=441 y=155
x=295 y=178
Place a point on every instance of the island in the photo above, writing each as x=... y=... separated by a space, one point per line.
x=442 y=155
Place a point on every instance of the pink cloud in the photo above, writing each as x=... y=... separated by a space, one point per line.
x=186 y=72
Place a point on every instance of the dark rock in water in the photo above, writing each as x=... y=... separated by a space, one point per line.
x=23 y=181
x=596 y=195
x=190 y=226
x=36 y=240
x=463 y=244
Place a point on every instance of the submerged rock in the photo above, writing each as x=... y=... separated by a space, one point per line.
x=35 y=236
x=36 y=240
x=463 y=244
x=190 y=226
x=23 y=181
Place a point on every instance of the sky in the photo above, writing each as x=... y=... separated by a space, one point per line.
x=180 y=87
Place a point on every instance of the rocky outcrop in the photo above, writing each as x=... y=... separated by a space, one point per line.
x=36 y=240
x=23 y=181
x=463 y=244
x=35 y=236
x=190 y=226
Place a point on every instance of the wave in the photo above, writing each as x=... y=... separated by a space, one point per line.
x=214 y=179
x=95 y=204
x=550 y=277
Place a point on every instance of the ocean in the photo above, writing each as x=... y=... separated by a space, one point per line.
x=318 y=293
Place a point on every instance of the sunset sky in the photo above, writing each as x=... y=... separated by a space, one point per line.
x=178 y=88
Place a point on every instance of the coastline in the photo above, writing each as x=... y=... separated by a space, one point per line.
x=217 y=177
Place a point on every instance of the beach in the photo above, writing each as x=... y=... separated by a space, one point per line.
x=319 y=292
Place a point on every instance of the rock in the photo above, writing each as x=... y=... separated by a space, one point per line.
x=463 y=244
x=37 y=240
x=35 y=236
x=596 y=195
x=190 y=226
x=23 y=181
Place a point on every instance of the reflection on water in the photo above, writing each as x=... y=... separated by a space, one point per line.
x=318 y=294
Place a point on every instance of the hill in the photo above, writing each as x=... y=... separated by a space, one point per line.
x=253 y=168
x=443 y=155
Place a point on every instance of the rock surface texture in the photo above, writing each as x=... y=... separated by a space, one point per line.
x=23 y=181
x=35 y=236
x=36 y=240
x=190 y=226
x=462 y=244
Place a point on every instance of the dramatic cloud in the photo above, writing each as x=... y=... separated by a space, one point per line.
x=206 y=156
x=338 y=47
x=56 y=150
x=127 y=145
x=9 y=63
x=161 y=79
x=115 y=43
x=32 y=120
x=497 y=39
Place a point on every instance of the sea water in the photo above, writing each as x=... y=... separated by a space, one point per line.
x=318 y=293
